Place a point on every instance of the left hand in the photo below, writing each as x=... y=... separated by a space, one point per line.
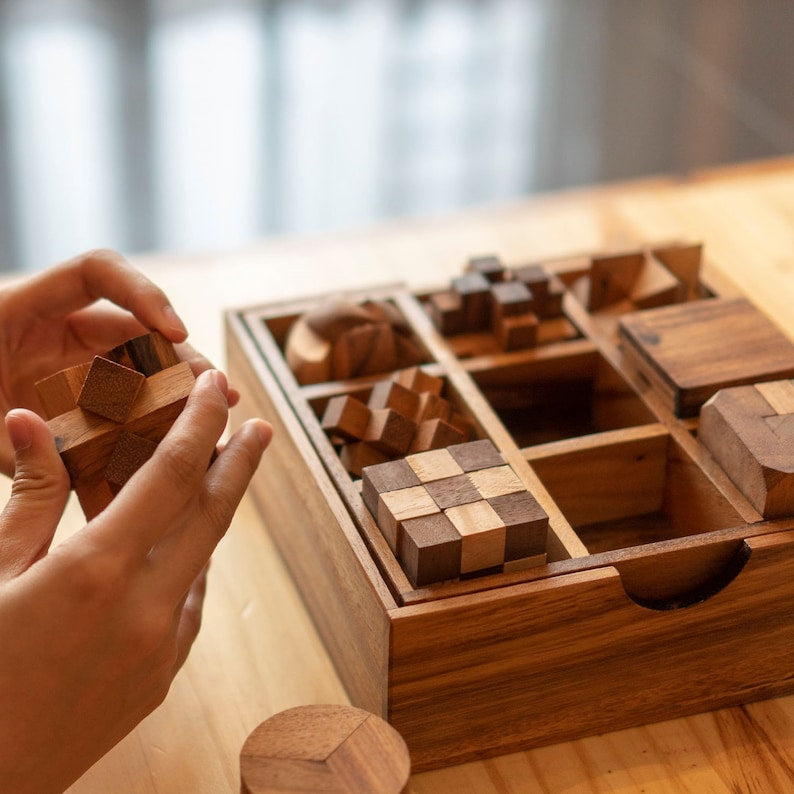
x=52 y=321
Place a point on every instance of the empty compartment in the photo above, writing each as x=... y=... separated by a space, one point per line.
x=568 y=390
x=630 y=487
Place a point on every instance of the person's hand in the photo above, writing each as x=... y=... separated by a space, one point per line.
x=57 y=319
x=93 y=631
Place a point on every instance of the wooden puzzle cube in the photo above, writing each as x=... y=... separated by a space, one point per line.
x=749 y=430
x=454 y=512
x=108 y=415
x=510 y=303
x=403 y=414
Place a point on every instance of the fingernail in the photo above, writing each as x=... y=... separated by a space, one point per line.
x=264 y=431
x=218 y=380
x=18 y=432
x=172 y=318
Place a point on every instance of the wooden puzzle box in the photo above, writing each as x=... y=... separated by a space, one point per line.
x=541 y=502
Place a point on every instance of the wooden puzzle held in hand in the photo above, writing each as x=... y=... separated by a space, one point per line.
x=572 y=511
x=108 y=415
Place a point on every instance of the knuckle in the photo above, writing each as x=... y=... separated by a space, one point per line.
x=180 y=463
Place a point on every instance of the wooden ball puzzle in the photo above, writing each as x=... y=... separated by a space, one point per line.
x=572 y=512
x=108 y=415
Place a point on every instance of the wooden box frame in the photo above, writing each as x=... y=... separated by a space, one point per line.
x=592 y=641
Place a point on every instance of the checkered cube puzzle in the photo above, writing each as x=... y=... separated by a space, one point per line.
x=456 y=511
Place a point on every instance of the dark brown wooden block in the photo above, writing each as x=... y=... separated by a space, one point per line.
x=689 y=351
x=435 y=434
x=536 y=279
x=324 y=748
x=345 y=417
x=490 y=267
x=393 y=475
x=526 y=524
x=451 y=491
x=446 y=312
x=510 y=298
x=148 y=353
x=475 y=294
x=59 y=392
x=110 y=389
x=129 y=454
x=551 y=306
x=389 y=432
x=430 y=550
x=475 y=455
x=517 y=333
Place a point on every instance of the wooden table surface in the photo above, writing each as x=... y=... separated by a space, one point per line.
x=258 y=652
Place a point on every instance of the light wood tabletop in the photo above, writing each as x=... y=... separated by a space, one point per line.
x=258 y=652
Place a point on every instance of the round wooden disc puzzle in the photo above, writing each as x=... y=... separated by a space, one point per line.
x=324 y=748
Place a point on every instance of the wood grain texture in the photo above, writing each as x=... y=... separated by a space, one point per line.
x=324 y=748
x=691 y=350
x=59 y=392
x=273 y=658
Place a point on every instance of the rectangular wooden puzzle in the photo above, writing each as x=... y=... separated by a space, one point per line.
x=545 y=500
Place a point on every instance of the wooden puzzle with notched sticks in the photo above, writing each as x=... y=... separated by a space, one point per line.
x=541 y=501
x=108 y=415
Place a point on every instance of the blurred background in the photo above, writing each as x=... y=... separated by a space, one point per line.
x=194 y=125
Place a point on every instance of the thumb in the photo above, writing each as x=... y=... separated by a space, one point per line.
x=38 y=494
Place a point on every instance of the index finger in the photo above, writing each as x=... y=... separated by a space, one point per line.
x=81 y=281
x=155 y=499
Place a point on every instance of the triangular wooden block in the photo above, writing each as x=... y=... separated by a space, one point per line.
x=683 y=261
x=612 y=278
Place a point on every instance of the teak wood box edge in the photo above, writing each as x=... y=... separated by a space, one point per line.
x=561 y=656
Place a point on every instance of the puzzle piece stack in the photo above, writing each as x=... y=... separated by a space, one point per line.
x=108 y=415
x=404 y=414
x=455 y=512
x=510 y=302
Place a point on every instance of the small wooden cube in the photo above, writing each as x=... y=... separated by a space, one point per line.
x=446 y=311
x=517 y=333
x=416 y=379
x=489 y=266
x=345 y=417
x=551 y=306
x=430 y=550
x=452 y=491
x=110 y=389
x=535 y=278
x=510 y=298
x=431 y=406
x=434 y=465
x=475 y=294
x=394 y=507
x=482 y=533
x=496 y=481
x=475 y=455
x=357 y=455
x=389 y=432
x=526 y=524
x=435 y=434
x=390 y=394
x=58 y=393
x=393 y=475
